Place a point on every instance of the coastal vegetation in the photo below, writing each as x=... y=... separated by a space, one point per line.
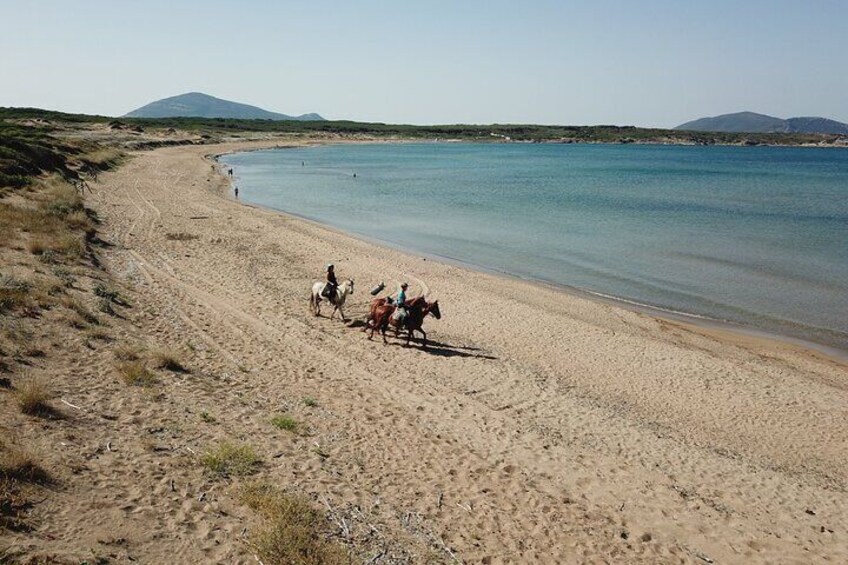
x=492 y=133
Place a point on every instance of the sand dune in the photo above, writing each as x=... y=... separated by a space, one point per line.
x=540 y=427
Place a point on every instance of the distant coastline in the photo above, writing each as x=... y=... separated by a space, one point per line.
x=218 y=130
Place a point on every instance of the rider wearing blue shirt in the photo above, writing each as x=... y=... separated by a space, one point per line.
x=400 y=302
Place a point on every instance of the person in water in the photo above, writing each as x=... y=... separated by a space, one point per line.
x=332 y=283
x=236 y=191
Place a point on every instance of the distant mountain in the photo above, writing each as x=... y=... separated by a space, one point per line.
x=817 y=125
x=199 y=105
x=750 y=122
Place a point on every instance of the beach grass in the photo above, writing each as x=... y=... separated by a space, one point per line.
x=284 y=422
x=231 y=460
x=294 y=531
x=33 y=395
x=136 y=373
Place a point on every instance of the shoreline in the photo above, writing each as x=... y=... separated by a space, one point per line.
x=736 y=333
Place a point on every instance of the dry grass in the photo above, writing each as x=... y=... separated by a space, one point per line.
x=105 y=306
x=102 y=158
x=231 y=460
x=167 y=359
x=55 y=219
x=67 y=244
x=55 y=246
x=15 y=294
x=37 y=246
x=295 y=532
x=60 y=199
x=136 y=373
x=127 y=353
x=25 y=218
x=32 y=396
x=17 y=468
x=17 y=464
x=30 y=349
x=99 y=334
x=180 y=236
x=81 y=221
x=13 y=506
x=80 y=310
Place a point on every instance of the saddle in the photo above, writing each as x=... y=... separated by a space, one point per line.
x=329 y=293
x=400 y=315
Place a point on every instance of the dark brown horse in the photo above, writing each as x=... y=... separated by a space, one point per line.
x=417 y=309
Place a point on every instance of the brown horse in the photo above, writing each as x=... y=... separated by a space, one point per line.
x=376 y=304
x=417 y=309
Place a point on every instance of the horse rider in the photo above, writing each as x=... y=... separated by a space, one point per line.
x=400 y=304
x=332 y=284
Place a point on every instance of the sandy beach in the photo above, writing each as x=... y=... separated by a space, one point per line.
x=539 y=427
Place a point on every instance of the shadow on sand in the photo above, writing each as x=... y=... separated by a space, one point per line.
x=433 y=347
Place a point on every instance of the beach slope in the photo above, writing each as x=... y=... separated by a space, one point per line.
x=538 y=427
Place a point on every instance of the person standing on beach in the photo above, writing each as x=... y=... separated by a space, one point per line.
x=236 y=191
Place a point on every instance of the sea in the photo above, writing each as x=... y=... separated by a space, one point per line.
x=752 y=237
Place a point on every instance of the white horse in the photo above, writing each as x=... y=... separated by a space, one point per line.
x=341 y=294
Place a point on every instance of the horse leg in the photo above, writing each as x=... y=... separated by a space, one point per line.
x=423 y=339
x=341 y=312
x=374 y=327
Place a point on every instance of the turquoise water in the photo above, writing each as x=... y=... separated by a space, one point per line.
x=756 y=236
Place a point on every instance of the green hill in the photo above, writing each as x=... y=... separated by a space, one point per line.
x=751 y=122
x=199 y=105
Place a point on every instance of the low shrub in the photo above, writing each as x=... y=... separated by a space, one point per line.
x=32 y=397
x=136 y=373
x=14 y=294
x=17 y=464
x=180 y=236
x=231 y=460
x=294 y=531
x=285 y=423
x=127 y=353
x=167 y=359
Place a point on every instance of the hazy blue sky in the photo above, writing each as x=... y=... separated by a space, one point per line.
x=649 y=63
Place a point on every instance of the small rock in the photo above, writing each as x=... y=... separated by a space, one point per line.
x=624 y=534
x=810 y=512
x=646 y=536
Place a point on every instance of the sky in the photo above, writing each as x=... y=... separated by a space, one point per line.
x=650 y=63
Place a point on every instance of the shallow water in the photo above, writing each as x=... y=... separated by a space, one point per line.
x=756 y=236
